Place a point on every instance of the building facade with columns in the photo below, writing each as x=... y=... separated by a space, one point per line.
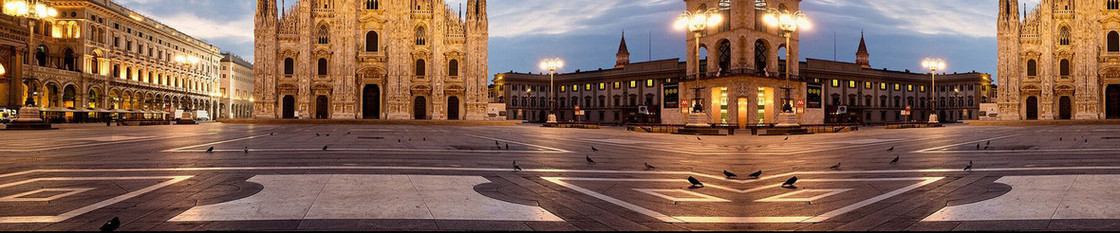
x=742 y=81
x=627 y=93
x=98 y=60
x=1059 y=60
x=13 y=51
x=369 y=59
x=236 y=88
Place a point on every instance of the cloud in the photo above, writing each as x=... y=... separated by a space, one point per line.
x=520 y=18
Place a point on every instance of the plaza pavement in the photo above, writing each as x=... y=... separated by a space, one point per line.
x=398 y=177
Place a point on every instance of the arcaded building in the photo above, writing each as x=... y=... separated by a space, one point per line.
x=1059 y=60
x=370 y=59
x=99 y=59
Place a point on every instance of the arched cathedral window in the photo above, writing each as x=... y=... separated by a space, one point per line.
x=289 y=67
x=322 y=66
x=421 y=38
x=420 y=67
x=760 y=56
x=453 y=68
x=1032 y=68
x=323 y=34
x=371 y=41
x=1063 y=36
x=1064 y=68
x=1114 y=41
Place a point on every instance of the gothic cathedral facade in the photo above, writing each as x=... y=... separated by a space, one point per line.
x=1059 y=61
x=371 y=59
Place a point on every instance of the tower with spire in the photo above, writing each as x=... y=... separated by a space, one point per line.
x=623 y=55
x=863 y=59
x=264 y=72
x=1008 y=34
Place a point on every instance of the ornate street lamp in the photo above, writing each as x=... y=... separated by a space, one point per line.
x=696 y=23
x=552 y=64
x=32 y=10
x=787 y=24
x=933 y=64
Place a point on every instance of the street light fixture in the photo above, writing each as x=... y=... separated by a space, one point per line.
x=552 y=64
x=933 y=64
x=787 y=24
x=696 y=23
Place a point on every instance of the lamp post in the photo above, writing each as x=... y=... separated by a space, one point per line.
x=551 y=65
x=32 y=10
x=697 y=22
x=933 y=64
x=787 y=24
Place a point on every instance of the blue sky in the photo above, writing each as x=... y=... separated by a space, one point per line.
x=585 y=33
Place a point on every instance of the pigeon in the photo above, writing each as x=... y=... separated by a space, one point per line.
x=328 y=135
x=270 y=134
x=1059 y=139
x=787 y=139
x=969 y=167
x=495 y=143
x=989 y=143
x=1086 y=140
x=398 y=140
x=507 y=146
x=589 y=161
x=695 y=183
x=755 y=175
x=324 y=147
x=698 y=139
x=649 y=167
x=729 y=175
x=977 y=146
x=316 y=134
x=347 y=133
x=425 y=139
x=111 y=225
x=211 y=150
x=891 y=149
x=789 y=183
x=895 y=160
x=985 y=147
x=515 y=167
x=835 y=167
x=246 y=150
x=594 y=149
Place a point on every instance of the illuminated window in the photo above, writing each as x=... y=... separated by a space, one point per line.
x=562 y=88
x=852 y=84
x=587 y=86
x=649 y=82
x=922 y=88
x=835 y=82
x=617 y=85
x=882 y=86
x=575 y=87
x=633 y=83
x=897 y=86
x=867 y=85
x=602 y=86
x=909 y=87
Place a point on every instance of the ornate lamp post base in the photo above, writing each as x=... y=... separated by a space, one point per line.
x=28 y=120
x=787 y=120
x=551 y=118
x=933 y=119
x=698 y=120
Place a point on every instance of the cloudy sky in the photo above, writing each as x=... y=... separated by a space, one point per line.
x=586 y=32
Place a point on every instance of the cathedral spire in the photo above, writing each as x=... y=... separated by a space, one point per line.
x=623 y=55
x=863 y=59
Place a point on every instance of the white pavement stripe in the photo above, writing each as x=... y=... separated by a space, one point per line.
x=940 y=148
x=520 y=143
x=98 y=205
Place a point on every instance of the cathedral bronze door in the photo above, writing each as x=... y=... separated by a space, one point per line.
x=321 y=107
x=1065 y=108
x=1032 y=108
x=1112 y=102
x=289 y=108
x=420 y=108
x=452 y=108
x=371 y=102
